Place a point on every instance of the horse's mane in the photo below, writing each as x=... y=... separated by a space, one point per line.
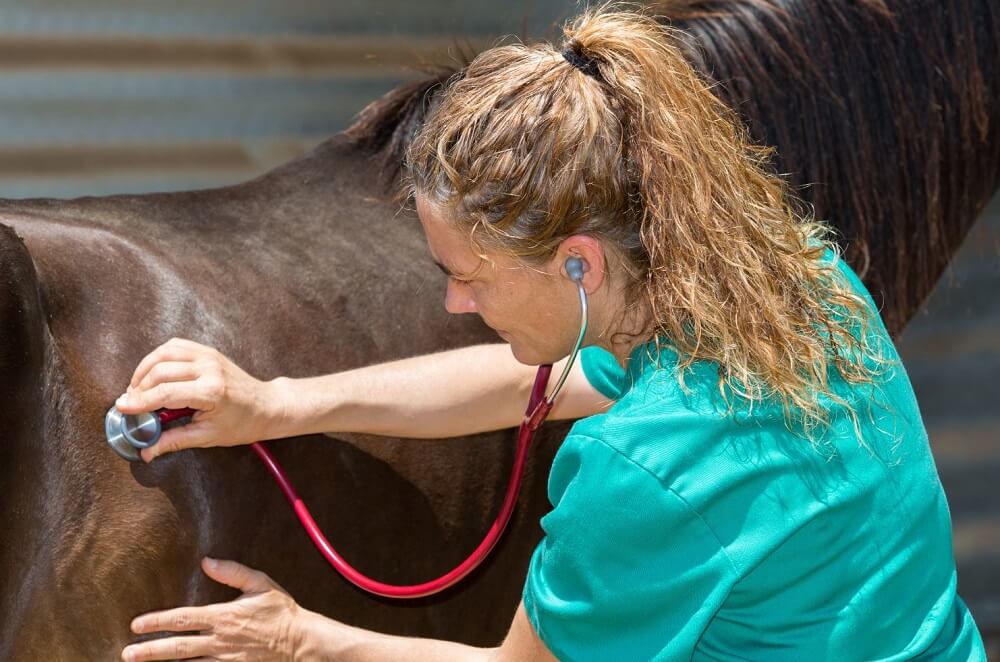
x=385 y=126
x=884 y=115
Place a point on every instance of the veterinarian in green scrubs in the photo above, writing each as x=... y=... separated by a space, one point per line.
x=749 y=477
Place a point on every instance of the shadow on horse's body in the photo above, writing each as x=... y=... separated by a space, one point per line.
x=308 y=270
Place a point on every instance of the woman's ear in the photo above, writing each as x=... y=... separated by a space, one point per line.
x=591 y=252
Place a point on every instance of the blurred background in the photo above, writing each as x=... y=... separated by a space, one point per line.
x=115 y=96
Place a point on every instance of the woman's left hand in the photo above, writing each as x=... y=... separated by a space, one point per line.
x=262 y=624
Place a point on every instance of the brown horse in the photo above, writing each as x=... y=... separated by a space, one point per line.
x=311 y=269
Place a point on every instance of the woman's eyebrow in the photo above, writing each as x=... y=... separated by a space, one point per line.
x=452 y=274
x=447 y=272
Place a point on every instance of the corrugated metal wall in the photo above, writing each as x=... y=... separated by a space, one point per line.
x=112 y=96
x=951 y=351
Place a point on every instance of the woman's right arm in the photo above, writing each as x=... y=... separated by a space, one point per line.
x=446 y=394
x=451 y=393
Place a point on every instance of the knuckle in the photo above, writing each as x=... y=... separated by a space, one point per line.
x=215 y=388
x=211 y=369
x=245 y=575
x=181 y=648
x=151 y=393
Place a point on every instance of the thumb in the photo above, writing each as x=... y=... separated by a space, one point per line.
x=175 y=439
x=236 y=575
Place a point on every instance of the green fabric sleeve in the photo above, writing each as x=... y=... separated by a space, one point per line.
x=603 y=372
x=626 y=570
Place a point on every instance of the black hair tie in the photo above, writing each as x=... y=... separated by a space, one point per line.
x=581 y=61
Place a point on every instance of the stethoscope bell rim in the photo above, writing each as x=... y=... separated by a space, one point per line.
x=128 y=434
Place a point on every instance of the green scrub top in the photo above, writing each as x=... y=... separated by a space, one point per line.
x=679 y=533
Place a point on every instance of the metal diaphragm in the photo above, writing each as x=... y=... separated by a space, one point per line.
x=129 y=433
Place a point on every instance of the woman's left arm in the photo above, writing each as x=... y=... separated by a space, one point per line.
x=265 y=624
x=328 y=639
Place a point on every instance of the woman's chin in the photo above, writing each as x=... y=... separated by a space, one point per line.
x=517 y=350
x=524 y=355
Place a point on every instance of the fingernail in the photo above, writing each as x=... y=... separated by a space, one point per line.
x=212 y=563
x=122 y=399
x=128 y=655
x=137 y=625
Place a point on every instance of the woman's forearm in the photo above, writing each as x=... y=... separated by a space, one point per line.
x=447 y=394
x=320 y=638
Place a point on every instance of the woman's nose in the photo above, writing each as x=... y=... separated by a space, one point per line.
x=458 y=298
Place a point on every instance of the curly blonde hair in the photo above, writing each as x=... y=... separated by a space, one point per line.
x=527 y=149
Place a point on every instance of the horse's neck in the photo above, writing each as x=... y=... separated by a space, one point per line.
x=884 y=113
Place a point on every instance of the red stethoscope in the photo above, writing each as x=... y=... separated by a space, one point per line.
x=127 y=434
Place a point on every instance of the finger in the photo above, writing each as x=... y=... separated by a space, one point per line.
x=168 y=371
x=182 y=619
x=171 y=648
x=237 y=575
x=165 y=352
x=190 y=344
x=172 y=395
x=176 y=439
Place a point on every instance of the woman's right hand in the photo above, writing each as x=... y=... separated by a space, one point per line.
x=233 y=407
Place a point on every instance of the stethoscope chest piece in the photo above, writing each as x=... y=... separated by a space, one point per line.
x=130 y=433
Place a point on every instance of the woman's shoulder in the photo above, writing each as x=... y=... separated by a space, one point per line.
x=664 y=421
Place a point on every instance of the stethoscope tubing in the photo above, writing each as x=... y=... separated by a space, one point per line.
x=538 y=407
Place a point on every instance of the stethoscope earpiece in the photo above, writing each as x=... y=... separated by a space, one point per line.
x=575 y=268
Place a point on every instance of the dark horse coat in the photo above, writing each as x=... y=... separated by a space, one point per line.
x=311 y=269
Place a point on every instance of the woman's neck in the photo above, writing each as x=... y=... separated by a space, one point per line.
x=624 y=329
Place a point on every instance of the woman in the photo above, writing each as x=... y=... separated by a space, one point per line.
x=760 y=486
